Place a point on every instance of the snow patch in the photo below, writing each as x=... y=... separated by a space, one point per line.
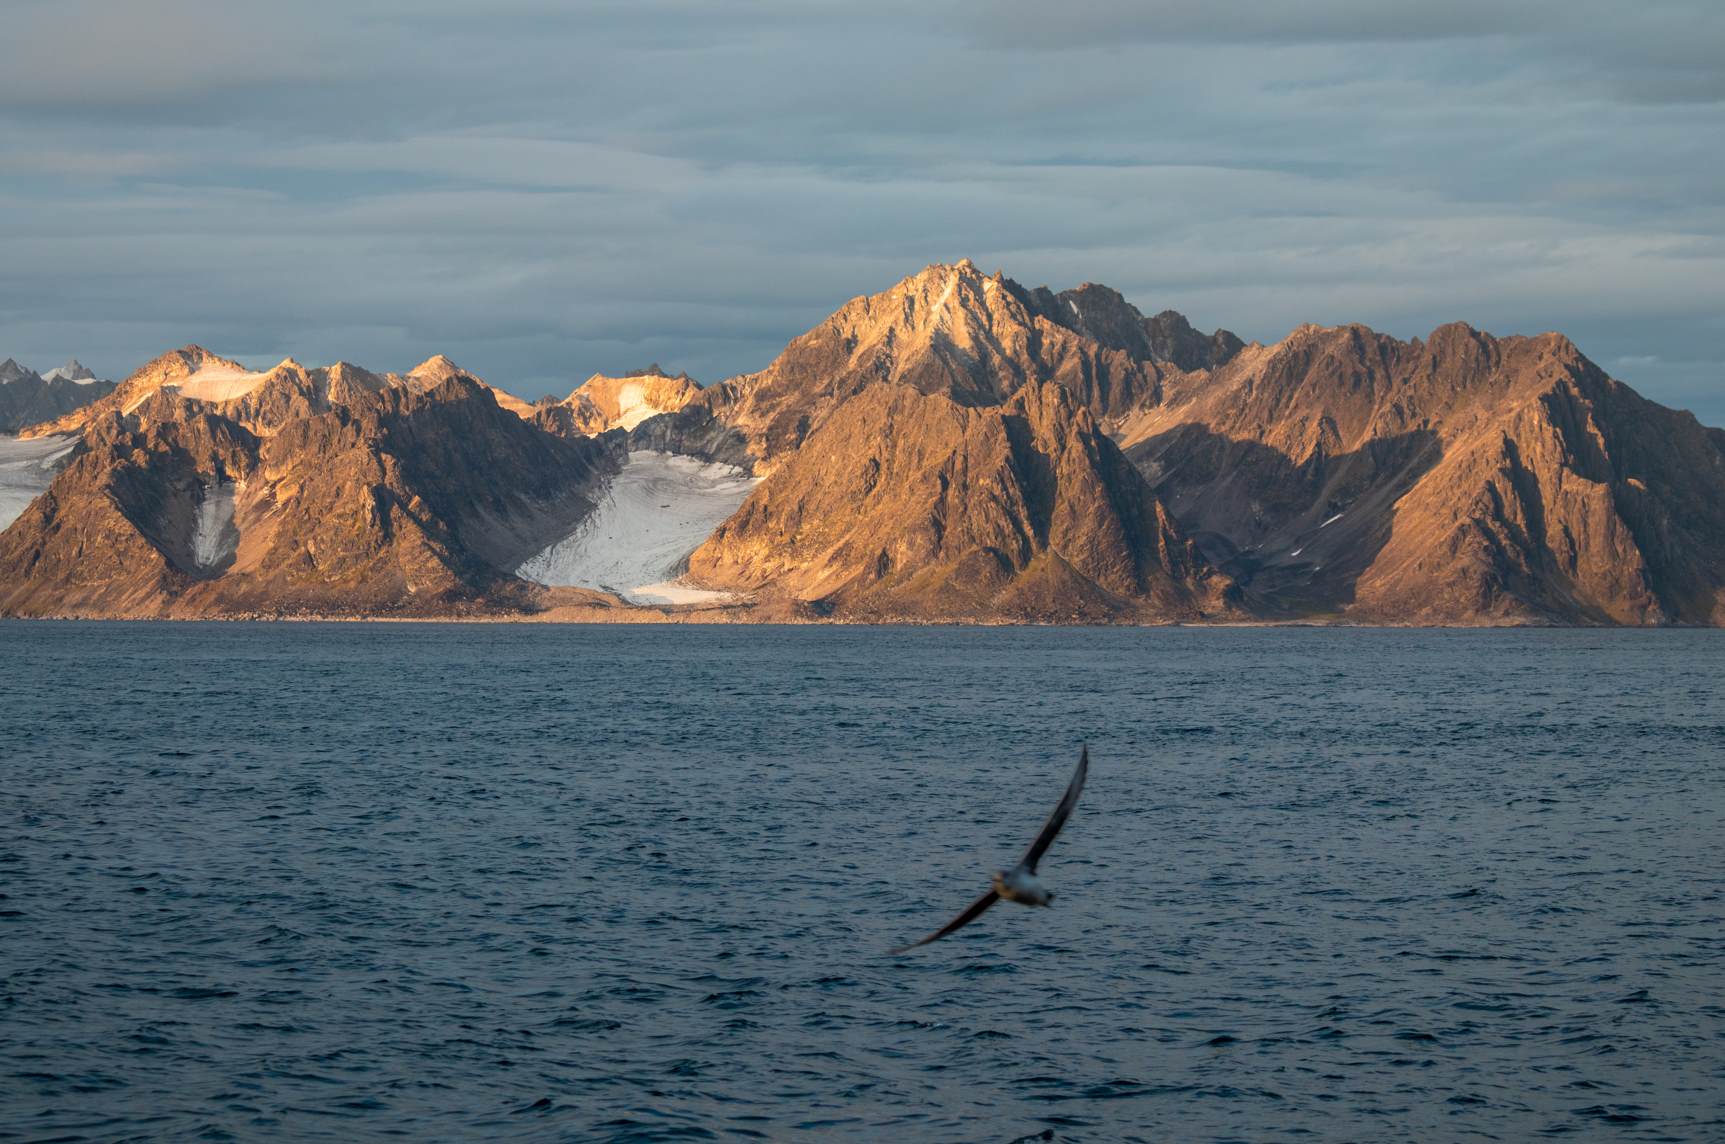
x=26 y=468
x=673 y=592
x=633 y=406
x=218 y=383
x=654 y=513
x=215 y=538
x=938 y=313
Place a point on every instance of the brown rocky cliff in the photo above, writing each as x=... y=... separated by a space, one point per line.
x=399 y=502
x=905 y=504
x=171 y=367
x=973 y=338
x=1459 y=479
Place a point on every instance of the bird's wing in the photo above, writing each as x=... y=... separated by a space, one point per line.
x=1051 y=828
x=970 y=914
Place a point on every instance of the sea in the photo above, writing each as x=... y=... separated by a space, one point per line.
x=358 y=882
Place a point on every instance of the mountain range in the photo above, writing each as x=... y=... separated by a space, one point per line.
x=957 y=447
x=28 y=398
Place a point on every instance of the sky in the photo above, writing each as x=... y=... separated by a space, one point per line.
x=543 y=190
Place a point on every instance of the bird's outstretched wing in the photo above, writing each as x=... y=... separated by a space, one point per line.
x=1061 y=813
x=970 y=914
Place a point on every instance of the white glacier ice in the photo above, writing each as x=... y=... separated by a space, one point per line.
x=215 y=538
x=26 y=468
x=633 y=406
x=219 y=383
x=653 y=514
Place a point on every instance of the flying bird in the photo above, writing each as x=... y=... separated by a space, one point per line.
x=1020 y=884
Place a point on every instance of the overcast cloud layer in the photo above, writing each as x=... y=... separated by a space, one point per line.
x=542 y=190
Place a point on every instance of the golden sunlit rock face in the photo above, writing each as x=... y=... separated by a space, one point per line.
x=952 y=330
x=905 y=504
x=604 y=403
x=261 y=400
x=957 y=447
x=393 y=501
x=1458 y=479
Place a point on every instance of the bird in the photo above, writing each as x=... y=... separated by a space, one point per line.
x=1020 y=883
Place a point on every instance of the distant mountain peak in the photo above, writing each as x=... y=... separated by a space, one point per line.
x=73 y=370
x=29 y=398
x=437 y=365
x=602 y=402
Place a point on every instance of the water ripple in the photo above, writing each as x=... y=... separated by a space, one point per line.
x=352 y=881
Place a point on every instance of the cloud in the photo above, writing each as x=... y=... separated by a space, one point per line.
x=105 y=54
x=1093 y=23
x=542 y=190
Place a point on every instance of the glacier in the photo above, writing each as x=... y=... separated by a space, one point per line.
x=26 y=468
x=655 y=512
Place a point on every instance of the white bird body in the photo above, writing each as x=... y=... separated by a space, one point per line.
x=1020 y=883
x=1021 y=886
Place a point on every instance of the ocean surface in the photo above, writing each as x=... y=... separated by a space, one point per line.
x=349 y=882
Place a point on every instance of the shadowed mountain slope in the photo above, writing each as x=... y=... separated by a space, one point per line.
x=905 y=504
x=393 y=502
x=1458 y=479
x=27 y=397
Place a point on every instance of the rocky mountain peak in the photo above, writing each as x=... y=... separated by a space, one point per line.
x=1101 y=313
x=73 y=370
x=1174 y=340
x=437 y=367
x=602 y=402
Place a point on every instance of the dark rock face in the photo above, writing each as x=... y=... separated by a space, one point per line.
x=1172 y=339
x=694 y=431
x=26 y=398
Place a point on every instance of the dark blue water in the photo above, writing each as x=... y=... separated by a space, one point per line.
x=563 y=883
